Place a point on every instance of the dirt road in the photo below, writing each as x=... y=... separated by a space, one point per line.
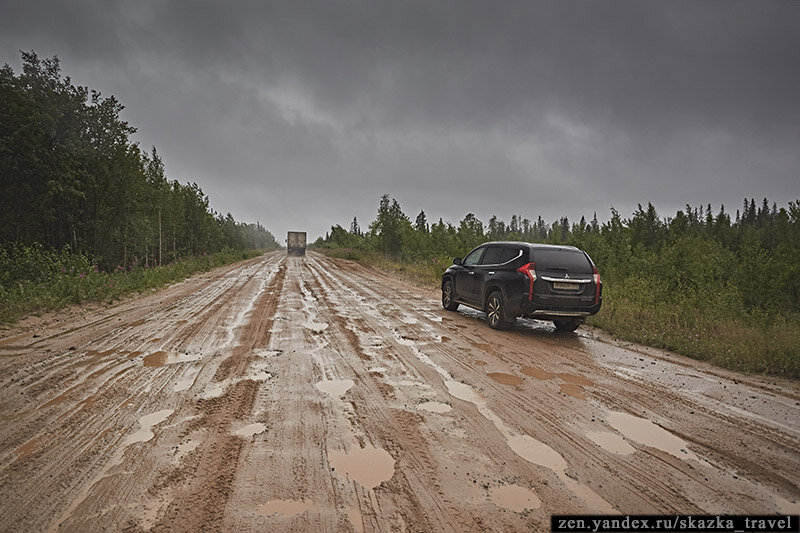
x=309 y=394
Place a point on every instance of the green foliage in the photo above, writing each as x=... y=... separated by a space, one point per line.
x=70 y=176
x=699 y=284
x=33 y=279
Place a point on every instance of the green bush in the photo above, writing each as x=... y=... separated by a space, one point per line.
x=35 y=280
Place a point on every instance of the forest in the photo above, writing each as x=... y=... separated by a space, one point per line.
x=702 y=282
x=72 y=178
x=85 y=213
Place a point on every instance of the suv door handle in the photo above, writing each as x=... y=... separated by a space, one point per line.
x=471 y=273
x=491 y=273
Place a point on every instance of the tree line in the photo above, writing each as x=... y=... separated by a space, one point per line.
x=72 y=178
x=707 y=259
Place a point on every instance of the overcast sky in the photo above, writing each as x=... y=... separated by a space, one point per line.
x=301 y=114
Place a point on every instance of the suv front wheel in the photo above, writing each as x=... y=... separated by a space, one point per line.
x=496 y=311
x=448 y=300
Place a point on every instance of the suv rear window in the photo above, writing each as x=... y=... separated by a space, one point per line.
x=492 y=256
x=562 y=259
x=509 y=253
x=498 y=255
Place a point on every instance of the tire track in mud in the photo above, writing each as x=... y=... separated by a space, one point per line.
x=422 y=462
x=413 y=490
x=675 y=485
x=76 y=405
x=407 y=334
x=240 y=400
x=77 y=372
x=199 y=501
x=72 y=363
x=286 y=467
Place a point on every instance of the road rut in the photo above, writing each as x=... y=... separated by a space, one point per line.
x=314 y=394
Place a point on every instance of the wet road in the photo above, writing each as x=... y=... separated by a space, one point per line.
x=310 y=394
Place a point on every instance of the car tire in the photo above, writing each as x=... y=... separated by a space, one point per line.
x=568 y=325
x=448 y=296
x=496 y=311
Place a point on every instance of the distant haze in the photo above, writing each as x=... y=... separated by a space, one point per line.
x=301 y=115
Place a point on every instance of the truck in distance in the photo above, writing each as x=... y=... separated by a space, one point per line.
x=296 y=243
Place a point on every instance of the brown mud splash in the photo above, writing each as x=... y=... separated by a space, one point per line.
x=505 y=379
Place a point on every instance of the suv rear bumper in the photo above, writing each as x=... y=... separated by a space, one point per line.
x=550 y=311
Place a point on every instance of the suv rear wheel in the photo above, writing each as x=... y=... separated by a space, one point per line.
x=496 y=311
x=570 y=324
x=448 y=302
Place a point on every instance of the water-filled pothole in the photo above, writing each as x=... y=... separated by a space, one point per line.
x=576 y=380
x=515 y=498
x=570 y=389
x=537 y=373
x=250 y=430
x=650 y=434
x=335 y=387
x=145 y=423
x=317 y=327
x=284 y=507
x=537 y=452
x=462 y=391
x=267 y=353
x=164 y=357
x=611 y=442
x=435 y=407
x=368 y=466
x=505 y=379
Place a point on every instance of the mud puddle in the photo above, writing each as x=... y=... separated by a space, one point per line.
x=146 y=422
x=515 y=498
x=650 y=434
x=435 y=407
x=537 y=373
x=284 y=507
x=369 y=466
x=611 y=442
x=335 y=387
x=575 y=380
x=164 y=357
x=570 y=389
x=537 y=452
x=251 y=430
x=525 y=446
x=505 y=379
x=267 y=353
x=530 y=449
x=183 y=449
x=572 y=385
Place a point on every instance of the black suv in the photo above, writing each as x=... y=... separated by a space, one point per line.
x=511 y=279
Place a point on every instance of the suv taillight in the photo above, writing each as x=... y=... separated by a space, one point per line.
x=529 y=270
x=596 y=278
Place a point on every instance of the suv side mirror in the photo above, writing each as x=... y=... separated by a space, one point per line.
x=456 y=260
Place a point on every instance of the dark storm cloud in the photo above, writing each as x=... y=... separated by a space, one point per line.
x=559 y=108
x=462 y=64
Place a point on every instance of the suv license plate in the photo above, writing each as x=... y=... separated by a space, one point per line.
x=566 y=286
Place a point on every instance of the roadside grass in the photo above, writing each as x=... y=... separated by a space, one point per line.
x=754 y=342
x=709 y=327
x=425 y=273
x=33 y=280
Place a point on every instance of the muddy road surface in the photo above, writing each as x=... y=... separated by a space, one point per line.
x=310 y=394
